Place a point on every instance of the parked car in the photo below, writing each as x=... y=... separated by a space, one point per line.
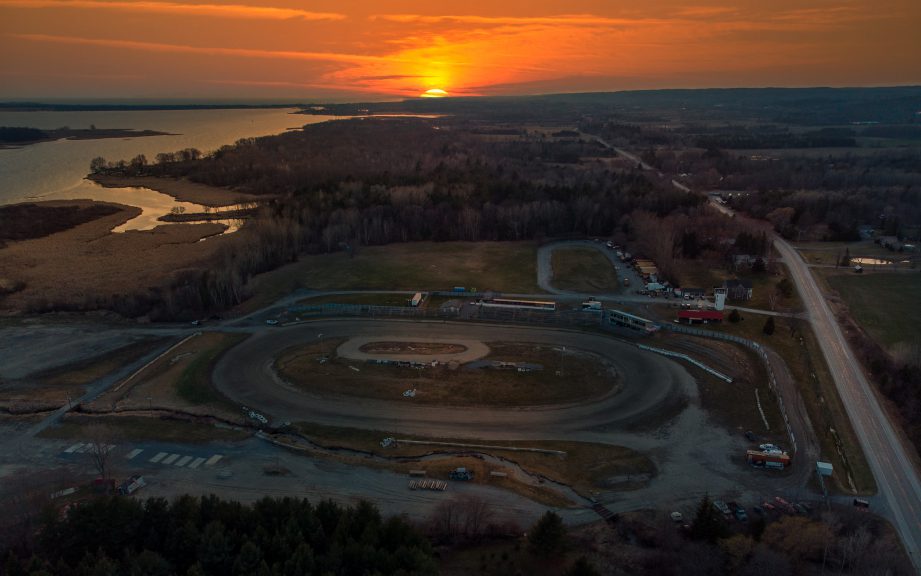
x=676 y=517
x=741 y=515
x=722 y=508
x=758 y=510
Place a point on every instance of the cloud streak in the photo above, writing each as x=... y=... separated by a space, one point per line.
x=240 y=11
x=206 y=51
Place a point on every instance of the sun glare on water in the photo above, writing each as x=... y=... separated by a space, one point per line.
x=434 y=93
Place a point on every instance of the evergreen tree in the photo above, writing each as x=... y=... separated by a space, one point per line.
x=769 y=326
x=548 y=536
x=708 y=522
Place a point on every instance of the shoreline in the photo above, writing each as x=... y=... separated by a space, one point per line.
x=181 y=190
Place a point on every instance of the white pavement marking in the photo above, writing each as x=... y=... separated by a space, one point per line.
x=183 y=461
x=158 y=457
x=196 y=463
x=86 y=448
x=170 y=459
x=133 y=453
x=213 y=460
x=74 y=448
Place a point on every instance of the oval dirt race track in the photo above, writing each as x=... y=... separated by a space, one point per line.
x=650 y=382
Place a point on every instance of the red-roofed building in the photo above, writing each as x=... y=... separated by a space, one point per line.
x=700 y=316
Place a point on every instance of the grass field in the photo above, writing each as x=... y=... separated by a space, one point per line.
x=583 y=270
x=140 y=429
x=179 y=380
x=585 y=376
x=587 y=467
x=371 y=299
x=887 y=306
x=499 y=266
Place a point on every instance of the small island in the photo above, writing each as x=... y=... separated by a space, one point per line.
x=16 y=136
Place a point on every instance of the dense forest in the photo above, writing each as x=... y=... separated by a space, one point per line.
x=823 y=195
x=209 y=536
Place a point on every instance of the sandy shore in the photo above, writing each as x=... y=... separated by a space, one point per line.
x=182 y=190
x=89 y=263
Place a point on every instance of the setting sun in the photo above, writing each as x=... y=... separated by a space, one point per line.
x=434 y=93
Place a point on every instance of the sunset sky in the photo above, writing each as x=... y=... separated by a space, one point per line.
x=347 y=49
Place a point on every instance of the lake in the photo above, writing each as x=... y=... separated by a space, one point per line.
x=56 y=170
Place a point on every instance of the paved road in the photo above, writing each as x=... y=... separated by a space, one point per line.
x=889 y=458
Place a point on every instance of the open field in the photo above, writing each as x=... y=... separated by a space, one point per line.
x=139 y=429
x=587 y=467
x=370 y=299
x=887 y=306
x=826 y=411
x=582 y=270
x=585 y=376
x=499 y=266
x=180 y=380
x=180 y=189
x=86 y=256
x=831 y=253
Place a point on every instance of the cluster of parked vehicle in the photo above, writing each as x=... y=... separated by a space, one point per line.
x=735 y=511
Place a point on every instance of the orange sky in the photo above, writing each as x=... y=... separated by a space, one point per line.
x=346 y=49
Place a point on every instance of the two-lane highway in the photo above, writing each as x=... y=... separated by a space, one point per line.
x=889 y=459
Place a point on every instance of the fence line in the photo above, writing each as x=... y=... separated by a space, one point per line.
x=693 y=361
x=759 y=349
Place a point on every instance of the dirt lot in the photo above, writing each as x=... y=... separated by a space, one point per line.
x=412 y=348
x=182 y=190
x=88 y=264
x=585 y=376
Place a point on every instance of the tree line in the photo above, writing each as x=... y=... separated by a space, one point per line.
x=210 y=536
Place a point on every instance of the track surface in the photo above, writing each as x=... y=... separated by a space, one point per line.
x=650 y=383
